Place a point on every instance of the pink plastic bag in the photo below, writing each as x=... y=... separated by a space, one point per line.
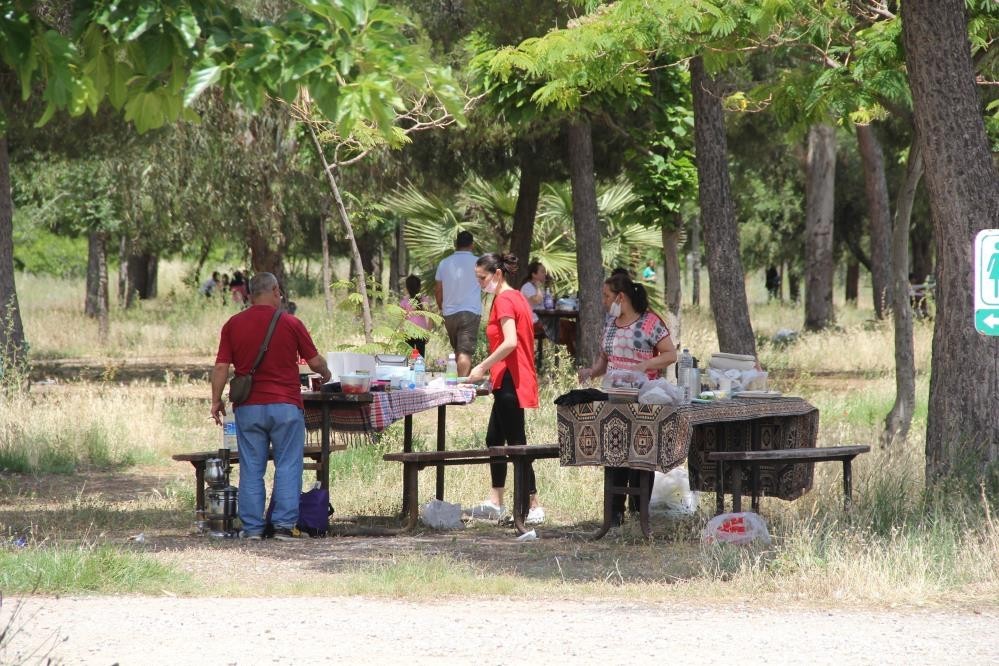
x=736 y=528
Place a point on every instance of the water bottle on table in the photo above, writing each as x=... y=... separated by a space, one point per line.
x=451 y=373
x=683 y=366
x=419 y=372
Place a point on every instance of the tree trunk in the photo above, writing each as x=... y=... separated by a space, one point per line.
x=793 y=286
x=962 y=432
x=13 y=352
x=899 y=419
x=142 y=277
x=97 y=282
x=727 y=289
x=327 y=278
x=267 y=253
x=879 y=217
x=528 y=193
x=695 y=262
x=362 y=287
x=819 y=192
x=851 y=286
x=589 y=259
x=671 y=261
x=153 y=276
x=124 y=300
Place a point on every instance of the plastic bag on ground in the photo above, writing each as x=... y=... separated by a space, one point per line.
x=736 y=528
x=441 y=515
x=672 y=496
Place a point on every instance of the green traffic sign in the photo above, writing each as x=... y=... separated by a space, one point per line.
x=987 y=321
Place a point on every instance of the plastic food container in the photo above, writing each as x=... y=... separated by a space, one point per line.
x=355 y=383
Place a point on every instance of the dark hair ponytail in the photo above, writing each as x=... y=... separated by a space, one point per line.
x=494 y=261
x=621 y=283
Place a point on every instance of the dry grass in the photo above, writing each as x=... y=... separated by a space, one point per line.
x=93 y=469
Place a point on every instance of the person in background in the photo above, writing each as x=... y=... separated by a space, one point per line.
x=459 y=301
x=237 y=286
x=649 y=272
x=209 y=286
x=413 y=303
x=514 y=380
x=273 y=414
x=533 y=289
x=636 y=339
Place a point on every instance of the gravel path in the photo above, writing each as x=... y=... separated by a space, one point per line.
x=146 y=630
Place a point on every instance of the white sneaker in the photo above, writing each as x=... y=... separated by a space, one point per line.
x=486 y=511
x=535 y=516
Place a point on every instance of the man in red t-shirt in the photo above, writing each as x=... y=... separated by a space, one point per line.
x=273 y=414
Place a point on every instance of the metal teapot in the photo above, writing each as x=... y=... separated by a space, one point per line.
x=216 y=471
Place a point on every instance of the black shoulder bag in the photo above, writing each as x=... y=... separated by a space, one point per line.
x=240 y=385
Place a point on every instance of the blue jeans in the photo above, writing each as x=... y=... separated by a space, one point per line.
x=259 y=426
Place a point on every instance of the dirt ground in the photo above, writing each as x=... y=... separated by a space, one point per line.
x=162 y=630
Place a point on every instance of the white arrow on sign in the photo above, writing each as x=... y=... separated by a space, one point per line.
x=991 y=321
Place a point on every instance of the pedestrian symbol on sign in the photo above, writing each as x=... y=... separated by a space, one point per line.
x=992 y=271
x=987 y=282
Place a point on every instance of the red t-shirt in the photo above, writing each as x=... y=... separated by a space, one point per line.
x=276 y=378
x=520 y=362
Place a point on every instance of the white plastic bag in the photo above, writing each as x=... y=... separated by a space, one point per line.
x=659 y=392
x=441 y=515
x=672 y=496
x=736 y=528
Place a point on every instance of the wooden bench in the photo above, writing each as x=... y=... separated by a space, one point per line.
x=199 y=458
x=520 y=456
x=754 y=459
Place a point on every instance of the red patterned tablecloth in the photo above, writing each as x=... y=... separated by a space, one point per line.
x=388 y=407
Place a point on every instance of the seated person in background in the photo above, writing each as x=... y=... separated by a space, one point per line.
x=413 y=303
x=635 y=339
x=533 y=289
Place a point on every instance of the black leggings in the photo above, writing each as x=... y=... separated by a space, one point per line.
x=506 y=428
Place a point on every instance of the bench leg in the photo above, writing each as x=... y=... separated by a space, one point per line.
x=736 y=486
x=847 y=485
x=411 y=490
x=199 y=489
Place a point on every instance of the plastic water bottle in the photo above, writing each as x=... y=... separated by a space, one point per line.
x=683 y=366
x=229 y=439
x=420 y=372
x=451 y=373
x=549 y=300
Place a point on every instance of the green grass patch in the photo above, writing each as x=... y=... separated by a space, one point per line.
x=73 y=570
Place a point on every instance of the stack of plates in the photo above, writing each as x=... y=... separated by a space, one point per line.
x=722 y=361
x=758 y=394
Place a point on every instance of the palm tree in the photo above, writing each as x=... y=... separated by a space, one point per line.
x=486 y=209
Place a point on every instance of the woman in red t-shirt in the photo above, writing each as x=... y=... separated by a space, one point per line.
x=510 y=333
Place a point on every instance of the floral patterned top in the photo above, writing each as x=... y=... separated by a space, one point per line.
x=626 y=346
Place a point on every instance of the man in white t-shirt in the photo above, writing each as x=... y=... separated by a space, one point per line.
x=459 y=300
